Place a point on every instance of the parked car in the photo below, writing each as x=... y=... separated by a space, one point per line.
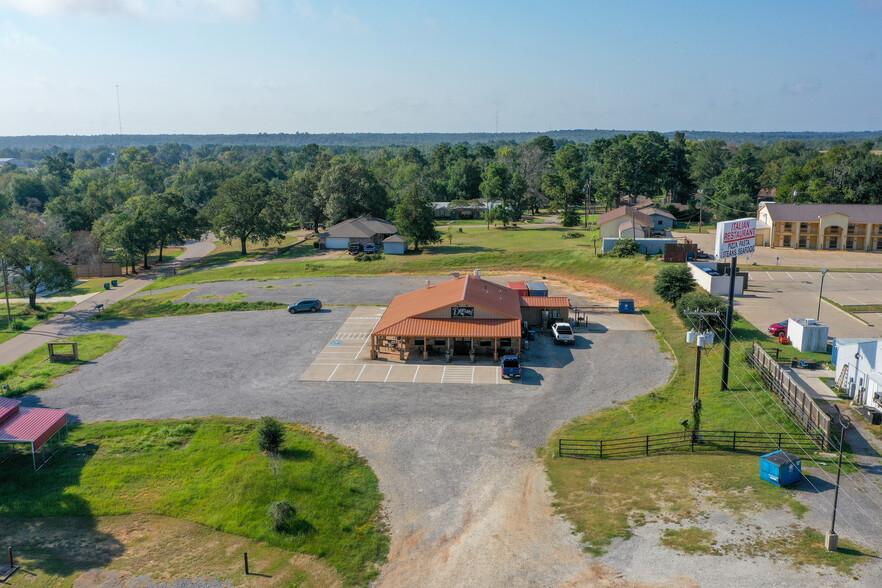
x=307 y=305
x=510 y=366
x=355 y=248
x=778 y=329
x=370 y=248
x=701 y=255
x=563 y=334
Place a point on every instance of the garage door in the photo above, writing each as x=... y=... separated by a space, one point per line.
x=337 y=243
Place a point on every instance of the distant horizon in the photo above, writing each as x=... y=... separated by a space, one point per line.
x=228 y=67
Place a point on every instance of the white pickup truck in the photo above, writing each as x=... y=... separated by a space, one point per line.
x=563 y=334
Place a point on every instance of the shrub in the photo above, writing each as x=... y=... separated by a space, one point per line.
x=704 y=302
x=5 y=372
x=572 y=235
x=270 y=435
x=282 y=516
x=17 y=325
x=673 y=281
x=569 y=218
x=313 y=267
x=625 y=247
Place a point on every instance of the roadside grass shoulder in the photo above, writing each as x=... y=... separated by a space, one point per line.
x=89 y=286
x=28 y=318
x=164 y=304
x=210 y=471
x=225 y=253
x=806 y=547
x=33 y=371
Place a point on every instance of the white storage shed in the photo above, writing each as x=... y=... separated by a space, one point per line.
x=807 y=334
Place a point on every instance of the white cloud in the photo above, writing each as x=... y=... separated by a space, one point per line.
x=138 y=9
x=801 y=87
x=13 y=39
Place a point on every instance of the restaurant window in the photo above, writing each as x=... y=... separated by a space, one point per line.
x=505 y=342
x=439 y=342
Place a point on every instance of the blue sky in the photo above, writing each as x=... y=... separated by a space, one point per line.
x=246 y=66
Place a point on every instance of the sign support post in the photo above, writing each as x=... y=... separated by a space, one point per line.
x=734 y=238
x=724 y=385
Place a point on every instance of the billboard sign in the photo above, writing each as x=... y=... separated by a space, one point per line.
x=735 y=237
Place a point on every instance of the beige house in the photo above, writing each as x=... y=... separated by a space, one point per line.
x=849 y=227
x=625 y=221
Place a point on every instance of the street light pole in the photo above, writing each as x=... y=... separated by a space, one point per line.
x=821 y=292
x=831 y=541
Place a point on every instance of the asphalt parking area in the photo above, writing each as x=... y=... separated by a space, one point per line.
x=346 y=358
x=775 y=296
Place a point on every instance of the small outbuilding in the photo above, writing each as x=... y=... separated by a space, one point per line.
x=34 y=426
x=543 y=311
x=394 y=245
x=807 y=334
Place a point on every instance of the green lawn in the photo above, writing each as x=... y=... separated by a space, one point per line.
x=168 y=253
x=210 y=471
x=29 y=317
x=88 y=287
x=231 y=252
x=163 y=304
x=33 y=372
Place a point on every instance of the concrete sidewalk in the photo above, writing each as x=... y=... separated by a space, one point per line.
x=52 y=328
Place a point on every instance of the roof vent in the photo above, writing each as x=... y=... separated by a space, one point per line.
x=454 y=274
x=428 y=283
x=478 y=274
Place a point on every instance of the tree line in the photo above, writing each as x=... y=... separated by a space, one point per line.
x=74 y=206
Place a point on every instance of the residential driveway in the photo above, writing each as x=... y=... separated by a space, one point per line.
x=787 y=257
x=467 y=499
x=775 y=296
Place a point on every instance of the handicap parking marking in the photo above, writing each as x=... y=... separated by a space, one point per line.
x=336 y=342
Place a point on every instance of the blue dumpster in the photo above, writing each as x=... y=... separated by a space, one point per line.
x=537 y=289
x=531 y=335
x=780 y=468
x=115 y=283
x=626 y=305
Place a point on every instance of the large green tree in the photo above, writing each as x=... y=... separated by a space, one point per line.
x=32 y=266
x=305 y=202
x=566 y=184
x=734 y=194
x=351 y=190
x=415 y=218
x=496 y=189
x=248 y=209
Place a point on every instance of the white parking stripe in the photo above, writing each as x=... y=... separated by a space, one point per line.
x=872 y=276
x=334 y=372
x=788 y=275
x=386 y=379
x=809 y=275
x=361 y=372
x=770 y=275
x=851 y=276
x=415 y=374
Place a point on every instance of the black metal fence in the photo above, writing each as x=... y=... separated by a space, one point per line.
x=645 y=445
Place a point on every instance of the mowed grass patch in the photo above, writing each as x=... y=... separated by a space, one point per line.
x=209 y=471
x=806 y=547
x=605 y=499
x=89 y=286
x=224 y=253
x=33 y=371
x=164 y=304
x=689 y=540
x=25 y=318
x=87 y=551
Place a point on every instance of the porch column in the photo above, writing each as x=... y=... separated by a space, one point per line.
x=373 y=347
x=496 y=349
x=425 y=348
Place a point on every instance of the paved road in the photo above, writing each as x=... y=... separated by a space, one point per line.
x=775 y=296
x=57 y=326
x=467 y=501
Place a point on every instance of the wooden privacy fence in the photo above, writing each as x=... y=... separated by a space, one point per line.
x=97 y=270
x=795 y=399
x=645 y=445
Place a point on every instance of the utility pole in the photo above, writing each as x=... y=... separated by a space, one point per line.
x=587 y=200
x=6 y=292
x=831 y=541
x=700 y=342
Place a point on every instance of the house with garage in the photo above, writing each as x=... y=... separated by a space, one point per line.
x=364 y=229
x=394 y=245
x=662 y=220
x=844 y=227
x=624 y=221
x=464 y=316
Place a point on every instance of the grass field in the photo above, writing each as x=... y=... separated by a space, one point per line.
x=89 y=286
x=168 y=253
x=33 y=372
x=209 y=471
x=29 y=317
x=163 y=304
x=224 y=253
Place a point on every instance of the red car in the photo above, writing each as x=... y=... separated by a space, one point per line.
x=778 y=329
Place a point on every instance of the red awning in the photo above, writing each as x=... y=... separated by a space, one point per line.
x=28 y=425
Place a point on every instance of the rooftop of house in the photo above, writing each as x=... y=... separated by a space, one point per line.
x=629 y=211
x=364 y=226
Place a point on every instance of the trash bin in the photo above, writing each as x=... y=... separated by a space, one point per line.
x=115 y=283
x=626 y=305
x=794 y=363
x=107 y=285
x=531 y=335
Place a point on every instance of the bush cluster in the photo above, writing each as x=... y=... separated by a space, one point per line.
x=625 y=247
x=572 y=235
x=270 y=435
x=282 y=515
x=17 y=325
x=368 y=256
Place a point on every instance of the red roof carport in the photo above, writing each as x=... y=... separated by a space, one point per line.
x=29 y=425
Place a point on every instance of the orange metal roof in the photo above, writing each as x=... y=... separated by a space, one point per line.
x=472 y=291
x=545 y=301
x=478 y=328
